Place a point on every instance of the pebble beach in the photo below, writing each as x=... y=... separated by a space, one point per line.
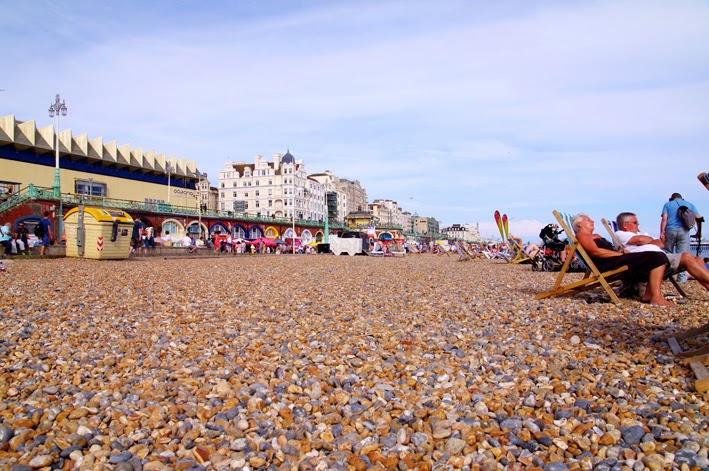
x=343 y=363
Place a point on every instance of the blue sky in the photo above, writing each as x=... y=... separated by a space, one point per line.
x=452 y=108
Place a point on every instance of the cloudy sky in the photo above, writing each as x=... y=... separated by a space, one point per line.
x=452 y=108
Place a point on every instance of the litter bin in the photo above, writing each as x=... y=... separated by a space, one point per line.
x=98 y=233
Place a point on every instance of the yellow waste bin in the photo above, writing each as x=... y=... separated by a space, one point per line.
x=98 y=233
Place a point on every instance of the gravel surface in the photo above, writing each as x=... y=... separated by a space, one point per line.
x=324 y=362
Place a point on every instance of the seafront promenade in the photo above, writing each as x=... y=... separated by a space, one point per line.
x=324 y=362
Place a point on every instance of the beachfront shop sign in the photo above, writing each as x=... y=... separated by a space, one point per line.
x=183 y=192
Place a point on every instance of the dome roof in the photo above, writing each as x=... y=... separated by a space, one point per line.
x=288 y=158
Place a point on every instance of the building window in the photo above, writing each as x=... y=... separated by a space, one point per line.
x=233 y=194
x=257 y=193
x=246 y=195
x=257 y=204
x=169 y=226
x=233 y=184
x=270 y=203
x=86 y=187
x=258 y=182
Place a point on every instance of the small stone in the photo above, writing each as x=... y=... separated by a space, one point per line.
x=120 y=457
x=6 y=433
x=454 y=446
x=633 y=435
x=41 y=461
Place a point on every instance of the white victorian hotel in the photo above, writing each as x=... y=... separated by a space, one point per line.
x=280 y=189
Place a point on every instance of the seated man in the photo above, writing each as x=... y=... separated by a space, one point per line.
x=634 y=240
x=642 y=267
x=187 y=242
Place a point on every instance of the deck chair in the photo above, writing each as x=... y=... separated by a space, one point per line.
x=612 y=227
x=593 y=277
x=464 y=256
x=696 y=359
x=517 y=252
x=472 y=251
x=465 y=252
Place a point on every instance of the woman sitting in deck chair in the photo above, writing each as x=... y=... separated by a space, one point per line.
x=642 y=266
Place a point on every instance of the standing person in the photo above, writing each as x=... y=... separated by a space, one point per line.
x=47 y=233
x=135 y=237
x=673 y=234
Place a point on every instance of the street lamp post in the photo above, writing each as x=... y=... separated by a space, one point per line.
x=59 y=107
x=293 y=212
x=168 y=170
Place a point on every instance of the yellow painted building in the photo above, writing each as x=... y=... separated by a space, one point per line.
x=92 y=168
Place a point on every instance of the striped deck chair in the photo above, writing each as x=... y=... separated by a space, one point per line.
x=473 y=251
x=612 y=227
x=593 y=277
x=462 y=251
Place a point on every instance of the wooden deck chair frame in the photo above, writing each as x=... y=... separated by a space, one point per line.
x=518 y=254
x=619 y=245
x=696 y=359
x=462 y=252
x=474 y=254
x=593 y=277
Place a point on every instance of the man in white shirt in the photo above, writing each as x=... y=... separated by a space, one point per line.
x=187 y=243
x=634 y=240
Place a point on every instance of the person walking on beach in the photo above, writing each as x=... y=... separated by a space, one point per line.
x=47 y=233
x=136 y=241
x=673 y=234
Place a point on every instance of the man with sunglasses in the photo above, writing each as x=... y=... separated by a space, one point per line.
x=635 y=240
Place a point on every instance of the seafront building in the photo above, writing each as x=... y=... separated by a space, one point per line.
x=94 y=168
x=426 y=226
x=336 y=199
x=464 y=232
x=386 y=212
x=278 y=189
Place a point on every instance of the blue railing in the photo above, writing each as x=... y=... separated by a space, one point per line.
x=703 y=249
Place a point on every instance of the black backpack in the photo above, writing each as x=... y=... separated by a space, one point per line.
x=687 y=217
x=39 y=230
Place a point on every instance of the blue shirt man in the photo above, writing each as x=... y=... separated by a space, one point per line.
x=48 y=237
x=672 y=232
